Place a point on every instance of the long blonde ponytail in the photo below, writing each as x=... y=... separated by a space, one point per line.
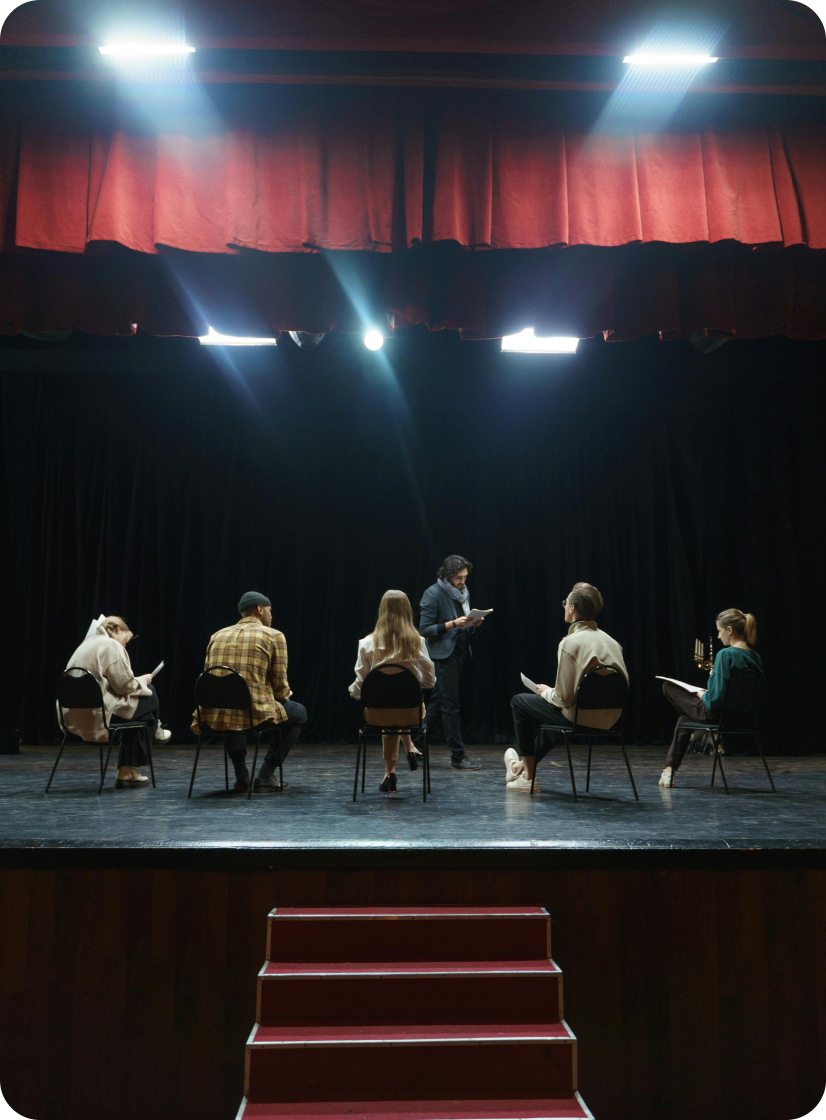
x=395 y=632
x=743 y=625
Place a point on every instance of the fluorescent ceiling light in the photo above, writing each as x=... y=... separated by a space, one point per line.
x=212 y=338
x=373 y=340
x=527 y=343
x=144 y=50
x=668 y=59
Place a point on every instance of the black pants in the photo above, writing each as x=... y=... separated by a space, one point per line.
x=444 y=700
x=136 y=745
x=291 y=728
x=529 y=713
x=690 y=706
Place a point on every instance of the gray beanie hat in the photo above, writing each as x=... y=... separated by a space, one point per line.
x=252 y=599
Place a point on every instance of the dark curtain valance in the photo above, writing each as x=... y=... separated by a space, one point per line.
x=375 y=169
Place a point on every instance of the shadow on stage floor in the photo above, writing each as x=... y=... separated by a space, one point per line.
x=466 y=810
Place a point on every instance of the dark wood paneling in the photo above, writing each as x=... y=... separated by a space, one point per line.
x=694 y=994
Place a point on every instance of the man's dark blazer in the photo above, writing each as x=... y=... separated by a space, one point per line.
x=438 y=607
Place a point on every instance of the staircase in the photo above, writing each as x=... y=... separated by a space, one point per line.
x=410 y=1013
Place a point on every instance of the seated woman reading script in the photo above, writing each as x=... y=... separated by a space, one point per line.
x=395 y=639
x=738 y=635
x=126 y=698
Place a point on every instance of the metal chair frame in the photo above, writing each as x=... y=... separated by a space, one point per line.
x=237 y=698
x=591 y=733
x=400 y=682
x=86 y=689
x=739 y=700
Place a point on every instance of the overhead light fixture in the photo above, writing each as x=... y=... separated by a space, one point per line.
x=526 y=342
x=373 y=340
x=683 y=60
x=145 y=50
x=212 y=338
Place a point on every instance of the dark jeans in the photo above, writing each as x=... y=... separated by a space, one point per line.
x=529 y=713
x=444 y=700
x=291 y=728
x=690 y=706
x=136 y=745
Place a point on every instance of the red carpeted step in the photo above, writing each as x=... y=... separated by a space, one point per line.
x=408 y=933
x=413 y=992
x=484 y=1061
x=560 y=1108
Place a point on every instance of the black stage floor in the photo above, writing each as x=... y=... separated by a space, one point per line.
x=467 y=811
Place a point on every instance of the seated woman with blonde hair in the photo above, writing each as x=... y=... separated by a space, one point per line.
x=126 y=698
x=394 y=640
x=738 y=634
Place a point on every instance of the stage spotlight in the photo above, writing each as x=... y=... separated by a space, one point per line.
x=145 y=50
x=527 y=343
x=304 y=340
x=212 y=338
x=373 y=340
x=669 y=60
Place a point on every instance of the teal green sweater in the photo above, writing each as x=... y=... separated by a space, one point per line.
x=729 y=660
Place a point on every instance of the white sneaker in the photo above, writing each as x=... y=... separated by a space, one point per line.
x=521 y=784
x=511 y=757
x=162 y=735
x=667 y=779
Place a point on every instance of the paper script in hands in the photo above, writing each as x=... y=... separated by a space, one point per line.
x=528 y=683
x=476 y=614
x=156 y=671
x=682 y=684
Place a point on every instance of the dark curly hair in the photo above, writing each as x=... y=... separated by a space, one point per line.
x=453 y=564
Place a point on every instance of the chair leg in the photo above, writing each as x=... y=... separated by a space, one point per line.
x=765 y=764
x=722 y=770
x=628 y=764
x=363 y=762
x=151 y=765
x=280 y=757
x=195 y=765
x=426 y=759
x=714 y=752
x=358 y=763
x=112 y=736
x=588 y=775
x=570 y=765
x=226 y=768
x=59 y=753
x=254 y=761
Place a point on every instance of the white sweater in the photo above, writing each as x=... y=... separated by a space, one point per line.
x=370 y=658
x=584 y=646
x=109 y=663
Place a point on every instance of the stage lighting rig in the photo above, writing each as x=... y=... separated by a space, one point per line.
x=373 y=340
x=305 y=340
x=145 y=50
x=213 y=338
x=670 y=61
x=527 y=343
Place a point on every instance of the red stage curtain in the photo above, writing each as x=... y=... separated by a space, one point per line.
x=349 y=172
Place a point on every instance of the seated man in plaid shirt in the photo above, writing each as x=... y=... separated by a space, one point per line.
x=259 y=653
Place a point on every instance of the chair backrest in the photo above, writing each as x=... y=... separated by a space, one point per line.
x=602 y=689
x=398 y=688
x=79 y=691
x=222 y=687
x=744 y=697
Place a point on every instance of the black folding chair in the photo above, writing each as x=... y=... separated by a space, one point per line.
x=85 y=692
x=601 y=687
x=396 y=691
x=223 y=687
x=744 y=698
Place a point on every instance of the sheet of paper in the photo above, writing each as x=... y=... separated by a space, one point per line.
x=156 y=671
x=475 y=614
x=682 y=684
x=528 y=683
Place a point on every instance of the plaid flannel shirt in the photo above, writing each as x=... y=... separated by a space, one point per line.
x=259 y=654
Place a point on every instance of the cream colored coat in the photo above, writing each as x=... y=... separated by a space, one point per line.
x=583 y=647
x=108 y=661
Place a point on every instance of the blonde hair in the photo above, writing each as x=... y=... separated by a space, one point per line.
x=112 y=623
x=394 y=631
x=744 y=625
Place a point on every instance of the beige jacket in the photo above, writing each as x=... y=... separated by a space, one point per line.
x=584 y=646
x=109 y=662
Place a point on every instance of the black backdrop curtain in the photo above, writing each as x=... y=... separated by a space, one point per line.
x=165 y=485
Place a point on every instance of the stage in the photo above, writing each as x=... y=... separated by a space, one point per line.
x=466 y=811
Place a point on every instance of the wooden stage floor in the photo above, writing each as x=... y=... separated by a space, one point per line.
x=467 y=811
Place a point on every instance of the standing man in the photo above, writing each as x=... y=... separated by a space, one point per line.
x=443 y=623
x=259 y=653
x=582 y=648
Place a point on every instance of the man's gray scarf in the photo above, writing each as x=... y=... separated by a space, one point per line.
x=454 y=592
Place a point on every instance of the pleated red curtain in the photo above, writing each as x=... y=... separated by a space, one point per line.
x=379 y=170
